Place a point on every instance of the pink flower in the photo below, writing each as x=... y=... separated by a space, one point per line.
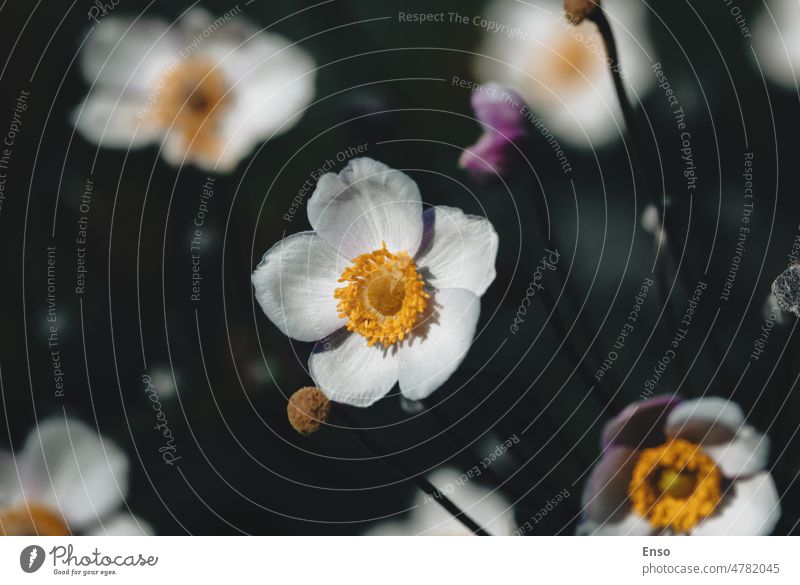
x=501 y=112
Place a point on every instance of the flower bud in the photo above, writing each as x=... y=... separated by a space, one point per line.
x=577 y=10
x=307 y=410
x=501 y=112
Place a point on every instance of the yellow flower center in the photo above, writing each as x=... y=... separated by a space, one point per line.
x=675 y=485
x=32 y=520
x=191 y=99
x=384 y=296
x=577 y=55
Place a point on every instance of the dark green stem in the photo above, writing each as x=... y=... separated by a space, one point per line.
x=421 y=482
x=598 y=16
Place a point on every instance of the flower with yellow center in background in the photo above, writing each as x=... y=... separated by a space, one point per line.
x=193 y=99
x=207 y=90
x=65 y=480
x=561 y=69
x=674 y=467
x=391 y=294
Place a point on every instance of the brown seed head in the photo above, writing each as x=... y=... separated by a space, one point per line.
x=308 y=409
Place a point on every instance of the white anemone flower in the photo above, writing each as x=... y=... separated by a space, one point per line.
x=207 y=90
x=673 y=467
x=776 y=42
x=562 y=69
x=389 y=292
x=490 y=510
x=65 y=480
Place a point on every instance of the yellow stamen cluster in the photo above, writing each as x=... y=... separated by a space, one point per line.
x=572 y=58
x=384 y=296
x=675 y=485
x=191 y=99
x=31 y=520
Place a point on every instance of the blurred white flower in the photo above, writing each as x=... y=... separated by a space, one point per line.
x=163 y=380
x=673 y=467
x=651 y=219
x=776 y=42
x=208 y=90
x=561 y=69
x=651 y=223
x=488 y=508
x=391 y=294
x=65 y=480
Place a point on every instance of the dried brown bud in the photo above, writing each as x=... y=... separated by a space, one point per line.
x=308 y=409
x=576 y=10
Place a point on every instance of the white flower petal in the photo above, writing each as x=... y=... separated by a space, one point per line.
x=439 y=342
x=710 y=421
x=488 y=508
x=175 y=150
x=347 y=370
x=121 y=53
x=746 y=454
x=103 y=119
x=641 y=424
x=631 y=525
x=9 y=479
x=777 y=43
x=74 y=471
x=369 y=204
x=198 y=19
x=458 y=250
x=605 y=497
x=294 y=284
x=752 y=508
x=272 y=82
x=272 y=77
x=123 y=525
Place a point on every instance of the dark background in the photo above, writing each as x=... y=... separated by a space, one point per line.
x=242 y=468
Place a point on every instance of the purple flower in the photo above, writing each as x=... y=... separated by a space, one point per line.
x=501 y=111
